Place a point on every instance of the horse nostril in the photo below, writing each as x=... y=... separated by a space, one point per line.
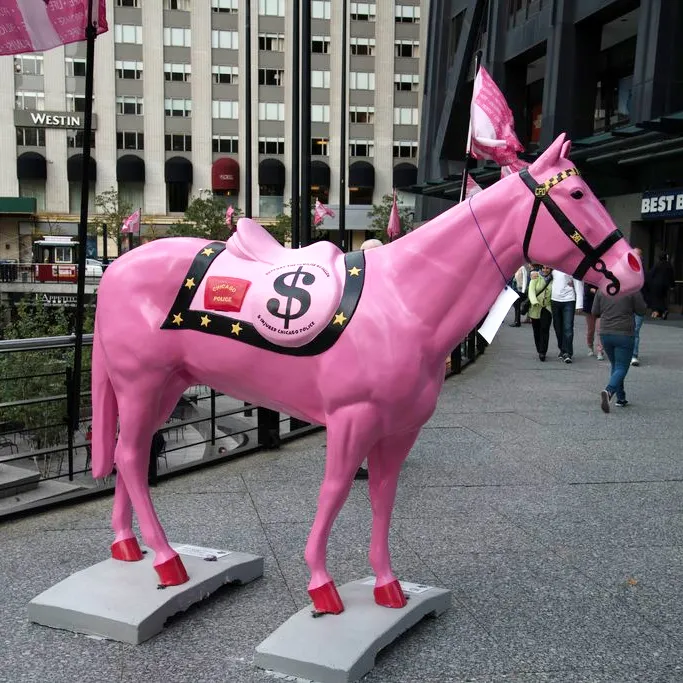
x=633 y=263
x=577 y=194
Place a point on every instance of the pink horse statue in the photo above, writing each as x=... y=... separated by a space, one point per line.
x=355 y=342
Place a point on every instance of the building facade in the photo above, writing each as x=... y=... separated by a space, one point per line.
x=169 y=111
x=609 y=73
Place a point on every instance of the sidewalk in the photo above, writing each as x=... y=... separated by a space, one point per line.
x=558 y=528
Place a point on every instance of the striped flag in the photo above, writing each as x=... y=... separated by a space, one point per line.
x=320 y=212
x=38 y=25
x=132 y=223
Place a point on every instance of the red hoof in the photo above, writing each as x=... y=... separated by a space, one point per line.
x=390 y=595
x=172 y=572
x=326 y=599
x=127 y=550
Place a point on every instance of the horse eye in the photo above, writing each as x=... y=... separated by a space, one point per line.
x=577 y=194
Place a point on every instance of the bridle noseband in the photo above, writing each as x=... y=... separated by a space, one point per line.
x=592 y=255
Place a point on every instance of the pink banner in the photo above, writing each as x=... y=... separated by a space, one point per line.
x=394 y=227
x=132 y=223
x=320 y=212
x=514 y=167
x=38 y=25
x=472 y=187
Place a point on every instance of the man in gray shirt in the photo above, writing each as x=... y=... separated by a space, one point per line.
x=617 y=331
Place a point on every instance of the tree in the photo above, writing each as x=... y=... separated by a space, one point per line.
x=379 y=217
x=110 y=212
x=205 y=218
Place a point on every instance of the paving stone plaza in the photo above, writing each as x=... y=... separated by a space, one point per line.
x=558 y=529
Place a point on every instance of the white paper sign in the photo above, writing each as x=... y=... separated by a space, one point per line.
x=197 y=551
x=497 y=313
x=406 y=587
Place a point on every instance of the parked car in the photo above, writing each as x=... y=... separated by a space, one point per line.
x=93 y=268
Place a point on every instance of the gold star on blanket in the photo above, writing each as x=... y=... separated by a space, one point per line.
x=189 y=283
x=205 y=320
x=177 y=319
x=207 y=252
x=354 y=271
x=340 y=318
x=236 y=329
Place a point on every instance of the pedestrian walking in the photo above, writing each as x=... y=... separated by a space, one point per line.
x=592 y=323
x=638 y=320
x=617 y=329
x=659 y=281
x=540 y=310
x=566 y=299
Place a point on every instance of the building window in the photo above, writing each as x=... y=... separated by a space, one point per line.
x=178 y=72
x=226 y=6
x=225 y=40
x=361 y=148
x=128 y=3
x=273 y=8
x=129 y=105
x=320 y=45
x=36 y=189
x=177 y=37
x=320 y=147
x=320 y=113
x=225 y=109
x=362 y=80
x=75 y=138
x=174 y=107
x=225 y=74
x=363 y=11
x=407 y=48
x=30 y=137
x=130 y=140
x=271 y=111
x=407 y=14
x=405 y=150
x=178 y=143
x=75 y=102
x=271 y=145
x=361 y=114
x=125 y=33
x=29 y=100
x=271 y=77
x=129 y=70
x=183 y=5
x=271 y=42
x=407 y=82
x=177 y=197
x=321 y=9
x=320 y=79
x=29 y=65
x=363 y=47
x=227 y=144
x=405 y=116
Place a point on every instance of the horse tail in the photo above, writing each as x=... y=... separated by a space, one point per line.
x=104 y=413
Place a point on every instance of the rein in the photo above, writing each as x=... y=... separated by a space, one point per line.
x=592 y=255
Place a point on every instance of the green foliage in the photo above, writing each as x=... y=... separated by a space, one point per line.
x=379 y=217
x=110 y=212
x=205 y=218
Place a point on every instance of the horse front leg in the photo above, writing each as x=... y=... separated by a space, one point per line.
x=349 y=437
x=384 y=466
x=125 y=546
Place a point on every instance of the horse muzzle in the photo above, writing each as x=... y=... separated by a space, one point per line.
x=624 y=276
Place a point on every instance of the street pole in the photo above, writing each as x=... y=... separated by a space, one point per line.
x=468 y=151
x=296 y=134
x=247 y=109
x=342 y=138
x=306 y=123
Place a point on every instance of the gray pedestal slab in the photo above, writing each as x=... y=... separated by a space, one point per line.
x=121 y=600
x=342 y=648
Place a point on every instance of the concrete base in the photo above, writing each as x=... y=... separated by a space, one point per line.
x=342 y=648
x=15 y=480
x=121 y=600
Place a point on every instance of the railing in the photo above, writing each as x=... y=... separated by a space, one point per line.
x=58 y=273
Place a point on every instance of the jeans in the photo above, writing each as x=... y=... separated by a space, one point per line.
x=619 y=350
x=563 y=321
x=636 y=339
x=541 y=327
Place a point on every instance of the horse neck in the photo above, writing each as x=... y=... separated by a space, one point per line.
x=444 y=273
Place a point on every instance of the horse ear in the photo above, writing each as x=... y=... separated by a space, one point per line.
x=566 y=149
x=551 y=157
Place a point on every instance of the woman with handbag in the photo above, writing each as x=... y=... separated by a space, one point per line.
x=540 y=310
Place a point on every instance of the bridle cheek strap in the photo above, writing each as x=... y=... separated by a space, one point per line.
x=592 y=255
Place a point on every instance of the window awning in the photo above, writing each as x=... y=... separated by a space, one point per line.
x=320 y=174
x=361 y=174
x=178 y=170
x=130 y=168
x=405 y=175
x=271 y=172
x=31 y=166
x=74 y=169
x=225 y=174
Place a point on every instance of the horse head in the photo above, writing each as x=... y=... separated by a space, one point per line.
x=570 y=229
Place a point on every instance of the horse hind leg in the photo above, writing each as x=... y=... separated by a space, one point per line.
x=125 y=546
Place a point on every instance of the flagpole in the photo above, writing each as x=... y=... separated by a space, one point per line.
x=75 y=393
x=468 y=150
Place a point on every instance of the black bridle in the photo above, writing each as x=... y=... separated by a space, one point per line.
x=592 y=255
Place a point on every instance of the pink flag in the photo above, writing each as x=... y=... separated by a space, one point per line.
x=228 y=215
x=132 y=223
x=472 y=187
x=514 y=167
x=394 y=227
x=320 y=212
x=492 y=123
x=37 y=25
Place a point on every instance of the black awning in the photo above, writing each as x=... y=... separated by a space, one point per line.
x=361 y=174
x=178 y=170
x=74 y=169
x=130 y=168
x=405 y=175
x=271 y=172
x=31 y=166
x=320 y=174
